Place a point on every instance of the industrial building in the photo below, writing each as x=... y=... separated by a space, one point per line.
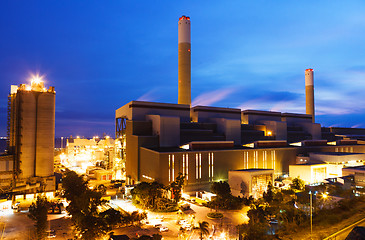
x=160 y=140
x=28 y=165
x=97 y=155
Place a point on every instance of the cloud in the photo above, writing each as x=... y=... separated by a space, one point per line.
x=150 y=96
x=275 y=101
x=209 y=98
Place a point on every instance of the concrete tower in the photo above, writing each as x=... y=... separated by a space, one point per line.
x=309 y=93
x=32 y=128
x=184 y=61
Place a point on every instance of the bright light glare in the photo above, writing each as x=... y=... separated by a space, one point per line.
x=37 y=79
x=325 y=195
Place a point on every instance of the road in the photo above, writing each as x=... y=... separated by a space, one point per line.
x=342 y=234
x=225 y=226
x=18 y=226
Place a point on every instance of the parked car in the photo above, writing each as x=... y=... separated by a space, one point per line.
x=164 y=229
x=158 y=225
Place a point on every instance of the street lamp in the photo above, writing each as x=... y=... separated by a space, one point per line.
x=311 y=213
x=325 y=195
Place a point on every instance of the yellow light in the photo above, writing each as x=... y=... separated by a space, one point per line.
x=36 y=79
x=269 y=133
x=325 y=195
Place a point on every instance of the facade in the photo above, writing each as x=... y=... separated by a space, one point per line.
x=250 y=182
x=161 y=140
x=359 y=175
x=31 y=127
x=82 y=154
x=205 y=143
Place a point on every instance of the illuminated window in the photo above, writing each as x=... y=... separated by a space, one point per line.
x=256 y=159
x=200 y=165
x=169 y=168
x=173 y=167
x=187 y=167
x=209 y=164
x=196 y=166
x=247 y=159
x=273 y=159
x=212 y=166
x=265 y=159
x=183 y=163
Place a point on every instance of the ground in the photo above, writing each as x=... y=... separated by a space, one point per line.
x=17 y=226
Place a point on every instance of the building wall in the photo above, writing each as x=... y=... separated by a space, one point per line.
x=133 y=145
x=204 y=114
x=204 y=167
x=26 y=126
x=137 y=110
x=167 y=128
x=45 y=134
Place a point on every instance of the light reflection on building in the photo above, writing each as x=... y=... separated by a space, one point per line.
x=94 y=157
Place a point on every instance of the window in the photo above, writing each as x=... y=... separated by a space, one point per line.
x=171 y=167
x=211 y=165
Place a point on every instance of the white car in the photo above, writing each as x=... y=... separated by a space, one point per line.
x=182 y=222
x=164 y=229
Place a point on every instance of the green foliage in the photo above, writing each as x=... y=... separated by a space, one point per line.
x=151 y=196
x=257 y=214
x=222 y=189
x=38 y=212
x=298 y=184
x=269 y=194
x=203 y=229
x=133 y=218
x=253 y=231
x=224 y=198
x=83 y=206
x=145 y=194
x=176 y=186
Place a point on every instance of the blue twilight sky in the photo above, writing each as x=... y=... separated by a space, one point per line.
x=100 y=55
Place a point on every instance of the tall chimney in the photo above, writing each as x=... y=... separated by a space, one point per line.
x=309 y=92
x=184 y=61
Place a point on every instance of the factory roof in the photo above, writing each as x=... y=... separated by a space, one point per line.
x=357 y=168
x=336 y=153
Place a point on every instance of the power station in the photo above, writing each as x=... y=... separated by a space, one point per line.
x=209 y=144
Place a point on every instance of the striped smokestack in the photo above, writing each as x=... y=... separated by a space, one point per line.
x=309 y=92
x=184 y=70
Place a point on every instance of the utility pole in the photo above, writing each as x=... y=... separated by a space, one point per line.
x=311 y=213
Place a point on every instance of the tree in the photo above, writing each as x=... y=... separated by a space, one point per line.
x=152 y=196
x=297 y=184
x=38 y=212
x=222 y=189
x=268 y=195
x=176 y=186
x=145 y=194
x=256 y=214
x=84 y=205
x=203 y=229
